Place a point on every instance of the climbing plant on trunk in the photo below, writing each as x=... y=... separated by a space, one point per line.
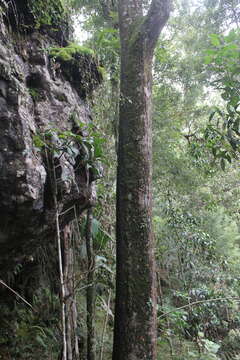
x=135 y=313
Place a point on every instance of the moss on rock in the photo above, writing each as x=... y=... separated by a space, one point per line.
x=79 y=67
x=70 y=52
x=47 y=15
x=46 y=12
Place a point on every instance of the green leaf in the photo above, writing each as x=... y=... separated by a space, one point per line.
x=212 y=115
x=233 y=144
x=219 y=112
x=100 y=236
x=235 y=126
x=214 y=151
x=215 y=40
x=230 y=47
x=224 y=96
x=231 y=36
x=211 y=52
x=38 y=142
x=223 y=164
x=41 y=341
x=95 y=228
x=208 y=59
x=228 y=158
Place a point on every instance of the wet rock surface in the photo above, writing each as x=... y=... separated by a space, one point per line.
x=35 y=97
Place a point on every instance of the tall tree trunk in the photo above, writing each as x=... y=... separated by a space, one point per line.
x=135 y=312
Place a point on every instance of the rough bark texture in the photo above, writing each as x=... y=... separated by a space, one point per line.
x=135 y=313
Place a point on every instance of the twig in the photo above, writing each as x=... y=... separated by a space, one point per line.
x=51 y=166
x=60 y=264
x=91 y=296
x=198 y=302
x=105 y=324
x=15 y=293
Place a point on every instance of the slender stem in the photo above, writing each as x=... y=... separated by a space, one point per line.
x=91 y=351
x=63 y=310
x=170 y=342
x=198 y=302
x=15 y=293
x=105 y=325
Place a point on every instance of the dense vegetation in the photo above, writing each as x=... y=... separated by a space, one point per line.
x=196 y=139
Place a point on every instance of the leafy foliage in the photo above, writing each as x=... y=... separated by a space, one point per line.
x=223 y=133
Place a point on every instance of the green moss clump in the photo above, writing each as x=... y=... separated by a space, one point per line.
x=70 y=52
x=102 y=71
x=78 y=66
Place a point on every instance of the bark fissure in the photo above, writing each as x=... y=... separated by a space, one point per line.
x=135 y=313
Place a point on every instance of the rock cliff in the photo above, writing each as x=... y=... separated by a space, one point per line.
x=44 y=128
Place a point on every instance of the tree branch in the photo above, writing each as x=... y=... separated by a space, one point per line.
x=235 y=298
x=156 y=18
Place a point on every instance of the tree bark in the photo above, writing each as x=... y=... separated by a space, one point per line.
x=135 y=312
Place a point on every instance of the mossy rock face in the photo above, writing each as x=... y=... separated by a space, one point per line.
x=43 y=15
x=70 y=52
x=79 y=67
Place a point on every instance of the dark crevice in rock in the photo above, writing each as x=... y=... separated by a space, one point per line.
x=48 y=194
x=37 y=81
